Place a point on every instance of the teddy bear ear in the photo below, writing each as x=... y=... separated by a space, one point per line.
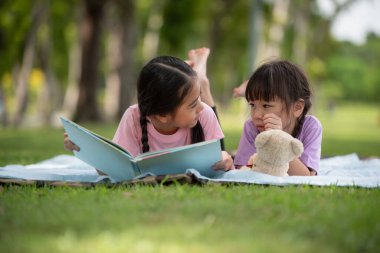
x=297 y=147
x=262 y=138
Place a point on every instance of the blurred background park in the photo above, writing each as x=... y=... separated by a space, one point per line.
x=80 y=59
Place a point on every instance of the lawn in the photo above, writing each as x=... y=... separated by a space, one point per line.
x=189 y=218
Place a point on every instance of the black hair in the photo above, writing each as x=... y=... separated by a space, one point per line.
x=162 y=85
x=282 y=79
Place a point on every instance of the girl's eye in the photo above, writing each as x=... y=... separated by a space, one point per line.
x=194 y=105
x=267 y=106
x=251 y=105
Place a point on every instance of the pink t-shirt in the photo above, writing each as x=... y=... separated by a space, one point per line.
x=128 y=134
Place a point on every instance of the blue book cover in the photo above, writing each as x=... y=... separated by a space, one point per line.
x=119 y=164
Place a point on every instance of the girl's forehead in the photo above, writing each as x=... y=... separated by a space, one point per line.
x=275 y=99
x=195 y=89
x=192 y=94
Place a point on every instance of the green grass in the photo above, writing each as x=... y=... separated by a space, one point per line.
x=186 y=218
x=189 y=218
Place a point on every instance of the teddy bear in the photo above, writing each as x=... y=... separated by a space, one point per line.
x=274 y=150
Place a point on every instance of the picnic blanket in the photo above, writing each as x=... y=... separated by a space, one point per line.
x=347 y=170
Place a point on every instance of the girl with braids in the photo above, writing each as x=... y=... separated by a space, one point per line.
x=278 y=93
x=169 y=112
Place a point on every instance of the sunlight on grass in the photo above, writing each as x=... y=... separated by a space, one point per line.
x=168 y=239
x=185 y=218
x=351 y=128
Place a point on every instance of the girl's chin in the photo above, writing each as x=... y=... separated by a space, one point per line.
x=194 y=124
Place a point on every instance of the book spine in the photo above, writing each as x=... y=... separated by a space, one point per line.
x=136 y=168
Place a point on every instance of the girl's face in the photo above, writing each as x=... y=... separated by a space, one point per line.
x=273 y=115
x=185 y=116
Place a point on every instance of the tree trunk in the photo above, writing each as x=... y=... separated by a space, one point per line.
x=70 y=100
x=49 y=96
x=26 y=66
x=120 y=86
x=113 y=80
x=277 y=27
x=3 y=108
x=256 y=23
x=129 y=44
x=152 y=35
x=91 y=30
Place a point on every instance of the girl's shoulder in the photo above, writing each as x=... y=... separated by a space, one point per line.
x=207 y=114
x=132 y=111
x=206 y=109
x=312 y=122
x=131 y=116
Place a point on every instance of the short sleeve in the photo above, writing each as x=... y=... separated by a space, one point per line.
x=246 y=146
x=127 y=134
x=311 y=137
x=210 y=124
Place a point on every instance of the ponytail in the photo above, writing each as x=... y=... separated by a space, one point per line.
x=298 y=127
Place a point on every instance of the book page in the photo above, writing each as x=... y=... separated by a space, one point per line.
x=101 y=153
x=200 y=156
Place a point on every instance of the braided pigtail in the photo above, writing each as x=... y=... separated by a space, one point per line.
x=144 y=133
x=163 y=84
x=197 y=134
x=298 y=127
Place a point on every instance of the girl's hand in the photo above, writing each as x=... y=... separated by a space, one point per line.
x=68 y=144
x=225 y=164
x=272 y=121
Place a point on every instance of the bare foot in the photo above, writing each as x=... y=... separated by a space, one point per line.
x=240 y=91
x=198 y=57
x=198 y=61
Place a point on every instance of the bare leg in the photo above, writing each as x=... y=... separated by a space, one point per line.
x=240 y=90
x=198 y=61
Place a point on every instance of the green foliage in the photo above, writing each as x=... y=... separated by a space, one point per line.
x=354 y=70
x=339 y=71
x=64 y=31
x=14 y=24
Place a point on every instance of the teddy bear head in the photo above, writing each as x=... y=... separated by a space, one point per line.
x=274 y=150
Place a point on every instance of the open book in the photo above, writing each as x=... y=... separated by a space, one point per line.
x=119 y=164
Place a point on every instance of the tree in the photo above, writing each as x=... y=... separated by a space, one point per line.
x=120 y=86
x=38 y=11
x=91 y=30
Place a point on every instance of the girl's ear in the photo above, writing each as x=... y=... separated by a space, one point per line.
x=298 y=108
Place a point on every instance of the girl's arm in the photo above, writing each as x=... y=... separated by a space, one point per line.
x=311 y=137
x=297 y=168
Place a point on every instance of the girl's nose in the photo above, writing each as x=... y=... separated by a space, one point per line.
x=257 y=113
